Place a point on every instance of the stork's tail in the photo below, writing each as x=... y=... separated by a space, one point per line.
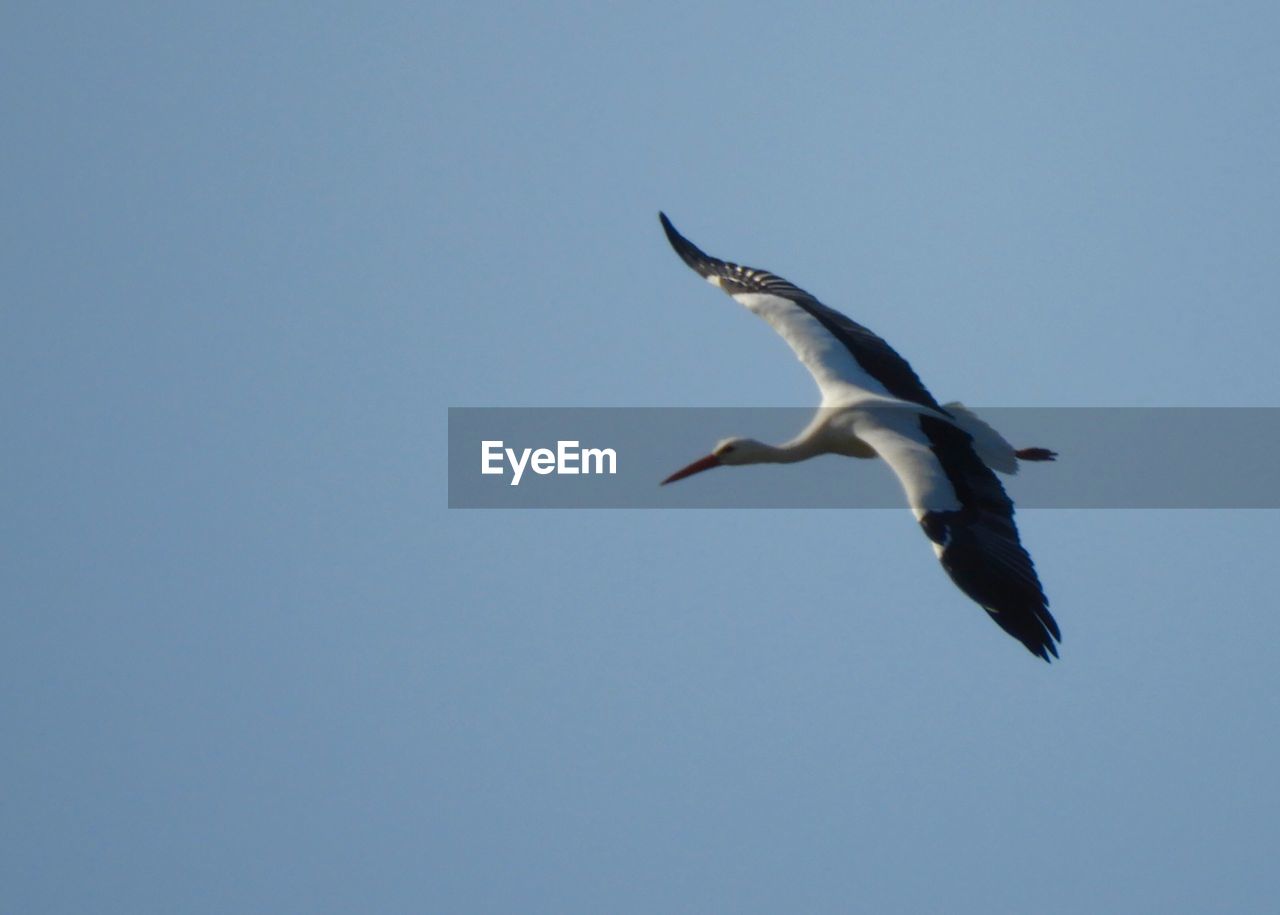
x=991 y=446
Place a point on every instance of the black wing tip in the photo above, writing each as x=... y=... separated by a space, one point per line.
x=673 y=235
x=690 y=253
x=1039 y=635
x=1045 y=651
x=1039 y=638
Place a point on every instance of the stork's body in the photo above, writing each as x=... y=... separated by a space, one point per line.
x=873 y=404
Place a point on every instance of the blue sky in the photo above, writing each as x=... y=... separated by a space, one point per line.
x=251 y=662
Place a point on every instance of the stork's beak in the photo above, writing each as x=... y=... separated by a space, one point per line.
x=697 y=466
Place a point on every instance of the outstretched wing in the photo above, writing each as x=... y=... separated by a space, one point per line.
x=967 y=516
x=848 y=362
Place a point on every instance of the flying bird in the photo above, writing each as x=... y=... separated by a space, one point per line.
x=874 y=405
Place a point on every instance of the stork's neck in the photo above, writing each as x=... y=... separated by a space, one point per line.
x=798 y=449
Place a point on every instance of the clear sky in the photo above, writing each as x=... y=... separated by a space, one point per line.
x=250 y=661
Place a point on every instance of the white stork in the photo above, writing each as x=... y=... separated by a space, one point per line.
x=874 y=405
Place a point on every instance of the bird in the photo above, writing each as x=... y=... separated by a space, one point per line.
x=874 y=405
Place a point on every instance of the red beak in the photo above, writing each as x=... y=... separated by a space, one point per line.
x=697 y=466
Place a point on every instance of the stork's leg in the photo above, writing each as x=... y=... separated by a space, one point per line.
x=1036 y=454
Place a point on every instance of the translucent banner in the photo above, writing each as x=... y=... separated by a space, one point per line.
x=1112 y=457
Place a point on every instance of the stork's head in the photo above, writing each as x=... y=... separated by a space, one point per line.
x=727 y=452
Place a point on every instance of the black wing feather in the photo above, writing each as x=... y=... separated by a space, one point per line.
x=981 y=550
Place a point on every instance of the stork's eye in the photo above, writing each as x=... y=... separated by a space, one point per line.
x=726 y=449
